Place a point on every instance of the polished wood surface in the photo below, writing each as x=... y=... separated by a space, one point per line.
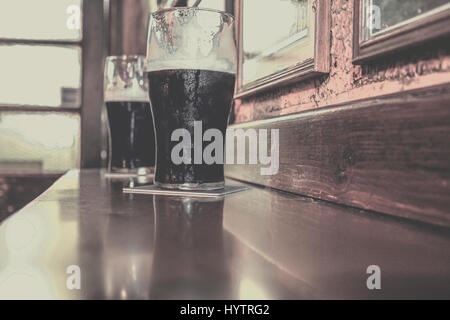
x=258 y=244
x=390 y=155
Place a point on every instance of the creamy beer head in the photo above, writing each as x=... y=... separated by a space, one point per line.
x=124 y=79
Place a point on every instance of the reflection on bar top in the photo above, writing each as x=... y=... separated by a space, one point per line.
x=254 y=245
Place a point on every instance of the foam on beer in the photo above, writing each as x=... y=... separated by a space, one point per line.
x=191 y=64
x=130 y=92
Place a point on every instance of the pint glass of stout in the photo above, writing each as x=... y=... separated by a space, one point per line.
x=191 y=61
x=131 y=133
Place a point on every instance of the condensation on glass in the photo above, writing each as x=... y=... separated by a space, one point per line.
x=35 y=142
x=191 y=65
x=41 y=19
x=383 y=16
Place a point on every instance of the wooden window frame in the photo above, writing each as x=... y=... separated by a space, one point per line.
x=316 y=66
x=92 y=53
x=417 y=32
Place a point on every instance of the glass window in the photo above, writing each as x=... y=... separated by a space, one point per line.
x=39 y=141
x=40 y=75
x=382 y=16
x=40 y=19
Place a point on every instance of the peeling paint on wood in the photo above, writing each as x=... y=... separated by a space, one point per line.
x=425 y=66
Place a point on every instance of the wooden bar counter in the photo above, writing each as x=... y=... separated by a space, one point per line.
x=256 y=244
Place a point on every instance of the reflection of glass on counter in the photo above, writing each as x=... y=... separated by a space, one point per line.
x=127 y=266
x=116 y=239
x=189 y=257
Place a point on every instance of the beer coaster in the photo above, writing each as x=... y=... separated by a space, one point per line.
x=152 y=189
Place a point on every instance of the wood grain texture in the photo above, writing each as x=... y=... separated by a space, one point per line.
x=390 y=155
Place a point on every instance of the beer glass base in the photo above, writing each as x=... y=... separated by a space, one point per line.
x=191 y=186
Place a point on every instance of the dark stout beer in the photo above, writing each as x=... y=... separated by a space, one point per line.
x=132 y=134
x=179 y=97
x=191 y=66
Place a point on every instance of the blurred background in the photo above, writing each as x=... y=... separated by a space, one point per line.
x=44 y=69
x=51 y=88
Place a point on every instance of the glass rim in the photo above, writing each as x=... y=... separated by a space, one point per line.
x=193 y=8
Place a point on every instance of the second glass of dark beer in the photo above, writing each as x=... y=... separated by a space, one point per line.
x=191 y=61
x=132 y=138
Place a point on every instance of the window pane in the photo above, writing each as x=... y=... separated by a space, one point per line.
x=40 y=19
x=39 y=141
x=40 y=75
x=277 y=35
x=382 y=16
